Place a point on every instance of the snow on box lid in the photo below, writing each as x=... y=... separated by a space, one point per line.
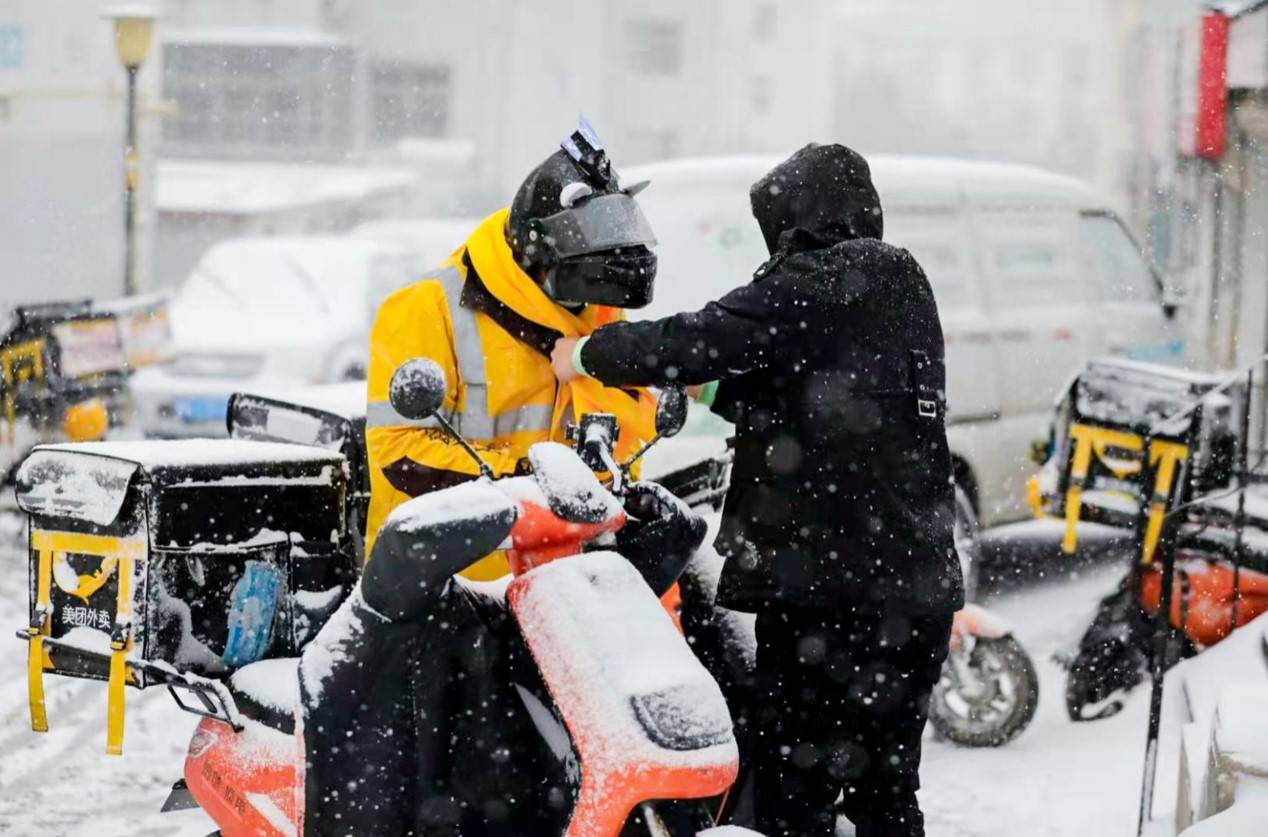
x=90 y=480
x=1122 y=393
x=191 y=453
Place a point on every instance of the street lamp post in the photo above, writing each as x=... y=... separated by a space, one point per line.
x=133 y=30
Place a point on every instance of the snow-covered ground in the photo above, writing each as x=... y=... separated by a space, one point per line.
x=1058 y=778
x=62 y=782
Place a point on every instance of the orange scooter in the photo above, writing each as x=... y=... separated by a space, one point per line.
x=641 y=734
x=1160 y=452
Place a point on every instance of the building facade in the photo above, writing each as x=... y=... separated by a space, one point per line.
x=62 y=119
x=326 y=79
x=1037 y=83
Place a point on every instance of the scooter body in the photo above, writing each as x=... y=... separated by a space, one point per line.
x=250 y=780
x=1211 y=598
x=644 y=719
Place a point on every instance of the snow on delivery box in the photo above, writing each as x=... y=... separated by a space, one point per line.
x=175 y=562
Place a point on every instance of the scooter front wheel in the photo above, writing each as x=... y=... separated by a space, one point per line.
x=987 y=694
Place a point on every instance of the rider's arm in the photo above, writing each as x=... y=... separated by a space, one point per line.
x=428 y=540
x=738 y=333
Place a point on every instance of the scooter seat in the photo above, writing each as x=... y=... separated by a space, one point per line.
x=268 y=692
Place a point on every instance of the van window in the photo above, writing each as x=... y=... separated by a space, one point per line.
x=1028 y=258
x=1110 y=254
x=939 y=242
x=708 y=245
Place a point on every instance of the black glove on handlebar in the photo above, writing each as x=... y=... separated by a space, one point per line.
x=661 y=535
x=427 y=540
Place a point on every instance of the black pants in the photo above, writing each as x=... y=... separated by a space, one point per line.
x=841 y=703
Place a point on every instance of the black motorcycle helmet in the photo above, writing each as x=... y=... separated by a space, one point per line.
x=572 y=219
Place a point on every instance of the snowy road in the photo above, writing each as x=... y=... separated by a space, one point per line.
x=1056 y=779
x=62 y=782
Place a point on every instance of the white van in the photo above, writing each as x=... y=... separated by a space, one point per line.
x=1033 y=272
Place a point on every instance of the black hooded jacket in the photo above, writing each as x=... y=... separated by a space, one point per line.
x=831 y=368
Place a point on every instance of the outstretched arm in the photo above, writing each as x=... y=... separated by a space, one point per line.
x=738 y=333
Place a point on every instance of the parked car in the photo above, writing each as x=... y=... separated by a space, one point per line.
x=267 y=313
x=1034 y=274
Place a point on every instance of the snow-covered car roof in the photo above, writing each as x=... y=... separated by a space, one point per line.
x=252 y=292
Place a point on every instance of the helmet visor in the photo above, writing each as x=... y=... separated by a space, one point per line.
x=604 y=222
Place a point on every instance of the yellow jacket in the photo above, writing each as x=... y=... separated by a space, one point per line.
x=502 y=395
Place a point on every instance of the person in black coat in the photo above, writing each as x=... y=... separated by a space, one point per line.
x=837 y=527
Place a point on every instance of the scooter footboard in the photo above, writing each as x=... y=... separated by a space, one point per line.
x=645 y=717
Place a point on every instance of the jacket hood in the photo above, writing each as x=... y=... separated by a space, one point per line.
x=820 y=196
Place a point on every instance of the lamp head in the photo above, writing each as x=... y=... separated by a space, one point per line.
x=133 y=31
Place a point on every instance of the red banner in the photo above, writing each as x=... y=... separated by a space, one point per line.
x=1209 y=134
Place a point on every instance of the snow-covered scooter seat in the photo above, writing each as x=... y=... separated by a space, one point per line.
x=634 y=697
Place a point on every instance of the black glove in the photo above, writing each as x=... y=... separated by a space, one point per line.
x=427 y=540
x=660 y=536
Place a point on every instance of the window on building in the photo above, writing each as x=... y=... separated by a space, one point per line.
x=256 y=97
x=410 y=100
x=654 y=47
x=11 y=46
x=764 y=22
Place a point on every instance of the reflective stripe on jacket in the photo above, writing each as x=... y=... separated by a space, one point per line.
x=502 y=395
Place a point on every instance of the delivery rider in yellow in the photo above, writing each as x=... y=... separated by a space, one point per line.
x=572 y=250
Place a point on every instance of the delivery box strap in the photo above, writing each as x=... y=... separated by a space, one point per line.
x=1167 y=456
x=1089 y=440
x=118 y=554
x=81 y=543
x=120 y=645
x=37 y=630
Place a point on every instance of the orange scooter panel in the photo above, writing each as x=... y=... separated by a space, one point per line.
x=1203 y=599
x=251 y=782
x=645 y=718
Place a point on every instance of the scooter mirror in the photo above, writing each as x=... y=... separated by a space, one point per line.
x=418 y=388
x=671 y=411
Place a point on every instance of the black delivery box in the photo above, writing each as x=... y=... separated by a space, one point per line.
x=227 y=551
